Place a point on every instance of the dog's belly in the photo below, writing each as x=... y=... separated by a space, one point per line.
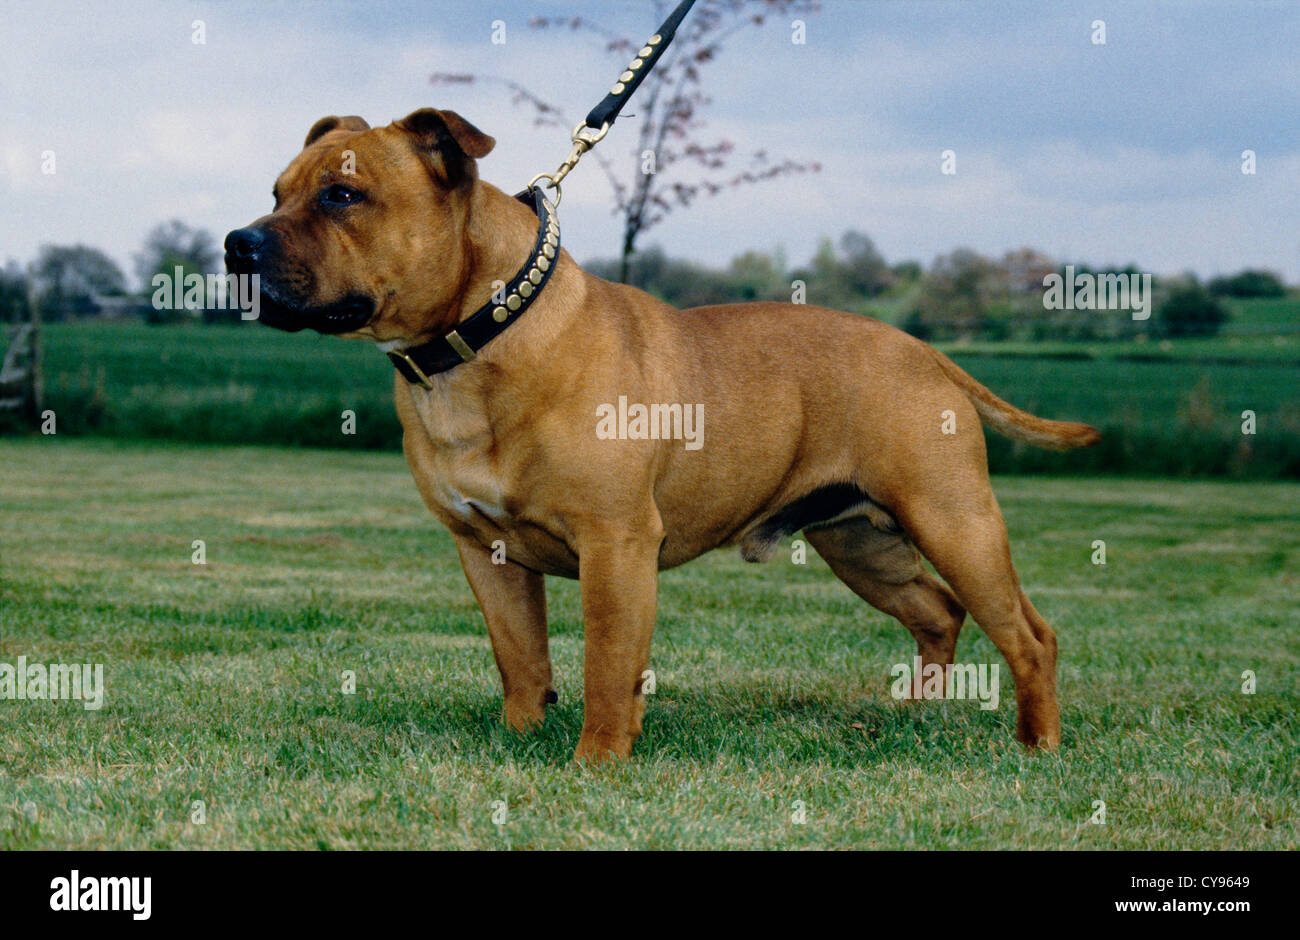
x=768 y=528
x=504 y=512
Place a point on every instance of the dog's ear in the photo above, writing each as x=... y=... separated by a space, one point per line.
x=432 y=128
x=448 y=135
x=327 y=124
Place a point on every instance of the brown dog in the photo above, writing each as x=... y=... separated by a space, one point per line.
x=574 y=442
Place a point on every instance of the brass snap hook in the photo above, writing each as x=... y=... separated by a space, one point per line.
x=552 y=182
x=586 y=136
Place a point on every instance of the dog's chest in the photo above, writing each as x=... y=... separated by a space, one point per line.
x=477 y=496
x=466 y=480
x=459 y=473
x=468 y=490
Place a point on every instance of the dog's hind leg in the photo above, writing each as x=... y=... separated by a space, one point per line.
x=885 y=570
x=513 y=600
x=965 y=539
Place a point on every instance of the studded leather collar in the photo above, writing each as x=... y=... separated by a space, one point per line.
x=417 y=363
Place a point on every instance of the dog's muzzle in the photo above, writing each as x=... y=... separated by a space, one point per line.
x=248 y=251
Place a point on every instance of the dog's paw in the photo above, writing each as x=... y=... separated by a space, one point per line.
x=594 y=748
x=526 y=712
x=1039 y=734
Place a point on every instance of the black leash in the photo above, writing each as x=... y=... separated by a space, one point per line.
x=418 y=363
x=605 y=112
x=601 y=118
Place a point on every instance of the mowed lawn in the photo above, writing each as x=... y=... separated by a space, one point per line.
x=224 y=682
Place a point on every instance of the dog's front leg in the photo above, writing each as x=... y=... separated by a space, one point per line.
x=618 y=574
x=513 y=601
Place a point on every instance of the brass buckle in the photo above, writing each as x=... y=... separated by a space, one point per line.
x=424 y=379
x=462 y=348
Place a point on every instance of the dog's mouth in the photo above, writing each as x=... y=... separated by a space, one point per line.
x=342 y=316
x=348 y=313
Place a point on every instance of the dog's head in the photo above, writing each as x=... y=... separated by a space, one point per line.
x=367 y=236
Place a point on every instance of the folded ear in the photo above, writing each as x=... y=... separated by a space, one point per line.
x=327 y=124
x=440 y=130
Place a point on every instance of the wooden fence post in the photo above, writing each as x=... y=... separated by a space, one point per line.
x=22 y=375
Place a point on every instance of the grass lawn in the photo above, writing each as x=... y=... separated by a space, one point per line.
x=224 y=681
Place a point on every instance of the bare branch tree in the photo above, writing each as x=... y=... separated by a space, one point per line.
x=669 y=112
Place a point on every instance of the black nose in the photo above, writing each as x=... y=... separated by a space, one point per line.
x=245 y=243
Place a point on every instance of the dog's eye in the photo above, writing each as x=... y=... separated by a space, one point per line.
x=340 y=195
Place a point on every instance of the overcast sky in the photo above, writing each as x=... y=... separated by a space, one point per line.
x=1123 y=152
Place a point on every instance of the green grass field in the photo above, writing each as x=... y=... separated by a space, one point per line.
x=224 y=681
x=1162 y=411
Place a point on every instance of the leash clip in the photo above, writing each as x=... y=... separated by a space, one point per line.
x=591 y=136
x=591 y=131
x=584 y=138
x=551 y=183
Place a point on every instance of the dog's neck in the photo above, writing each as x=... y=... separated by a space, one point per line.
x=499 y=236
x=508 y=258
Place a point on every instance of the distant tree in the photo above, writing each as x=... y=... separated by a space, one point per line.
x=68 y=278
x=1190 y=310
x=170 y=313
x=755 y=275
x=844 y=279
x=173 y=244
x=865 y=270
x=955 y=296
x=15 y=304
x=1026 y=268
x=674 y=281
x=916 y=325
x=1249 y=283
x=669 y=110
x=907 y=272
x=1066 y=322
x=169 y=246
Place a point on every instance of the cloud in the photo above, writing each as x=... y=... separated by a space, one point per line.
x=1124 y=152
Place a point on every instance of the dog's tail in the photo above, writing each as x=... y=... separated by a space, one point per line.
x=1009 y=420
